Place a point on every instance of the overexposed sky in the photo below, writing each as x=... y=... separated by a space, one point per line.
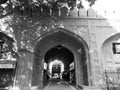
x=107 y=5
x=108 y=8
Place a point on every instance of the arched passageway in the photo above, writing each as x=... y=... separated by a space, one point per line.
x=62 y=61
x=63 y=46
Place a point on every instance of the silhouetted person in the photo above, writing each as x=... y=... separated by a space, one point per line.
x=65 y=75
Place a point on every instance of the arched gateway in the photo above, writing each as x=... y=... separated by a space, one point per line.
x=67 y=47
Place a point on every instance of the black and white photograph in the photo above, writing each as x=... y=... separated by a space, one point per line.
x=59 y=44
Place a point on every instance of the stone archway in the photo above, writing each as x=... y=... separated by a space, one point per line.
x=110 y=59
x=62 y=55
x=8 y=61
x=74 y=43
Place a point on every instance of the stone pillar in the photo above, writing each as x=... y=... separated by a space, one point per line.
x=94 y=58
x=79 y=70
x=24 y=70
x=37 y=74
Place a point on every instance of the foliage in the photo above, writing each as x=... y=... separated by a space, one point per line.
x=24 y=17
x=6 y=46
x=24 y=20
x=8 y=7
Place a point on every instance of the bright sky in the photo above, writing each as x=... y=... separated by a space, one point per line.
x=56 y=62
x=108 y=5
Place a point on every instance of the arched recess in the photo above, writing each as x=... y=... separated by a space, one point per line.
x=74 y=43
x=8 y=61
x=109 y=58
x=60 y=53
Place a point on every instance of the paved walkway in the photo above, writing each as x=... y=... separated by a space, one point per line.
x=56 y=84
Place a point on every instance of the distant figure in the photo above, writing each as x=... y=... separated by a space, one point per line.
x=65 y=75
x=49 y=75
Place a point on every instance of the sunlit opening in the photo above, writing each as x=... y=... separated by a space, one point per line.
x=56 y=63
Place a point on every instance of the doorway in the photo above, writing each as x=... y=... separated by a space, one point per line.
x=65 y=47
x=59 y=61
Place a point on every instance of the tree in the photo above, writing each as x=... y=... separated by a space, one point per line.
x=24 y=20
x=25 y=17
x=9 y=7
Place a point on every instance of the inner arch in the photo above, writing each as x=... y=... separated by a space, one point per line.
x=58 y=60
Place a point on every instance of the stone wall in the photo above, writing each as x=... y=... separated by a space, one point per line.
x=24 y=70
x=93 y=28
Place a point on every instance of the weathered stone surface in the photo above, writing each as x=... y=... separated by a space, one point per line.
x=24 y=70
x=93 y=31
x=91 y=88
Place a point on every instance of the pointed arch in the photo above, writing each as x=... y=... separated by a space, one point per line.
x=73 y=42
x=62 y=32
x=108 y=52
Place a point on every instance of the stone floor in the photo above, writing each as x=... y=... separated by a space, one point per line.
x=57 y=84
